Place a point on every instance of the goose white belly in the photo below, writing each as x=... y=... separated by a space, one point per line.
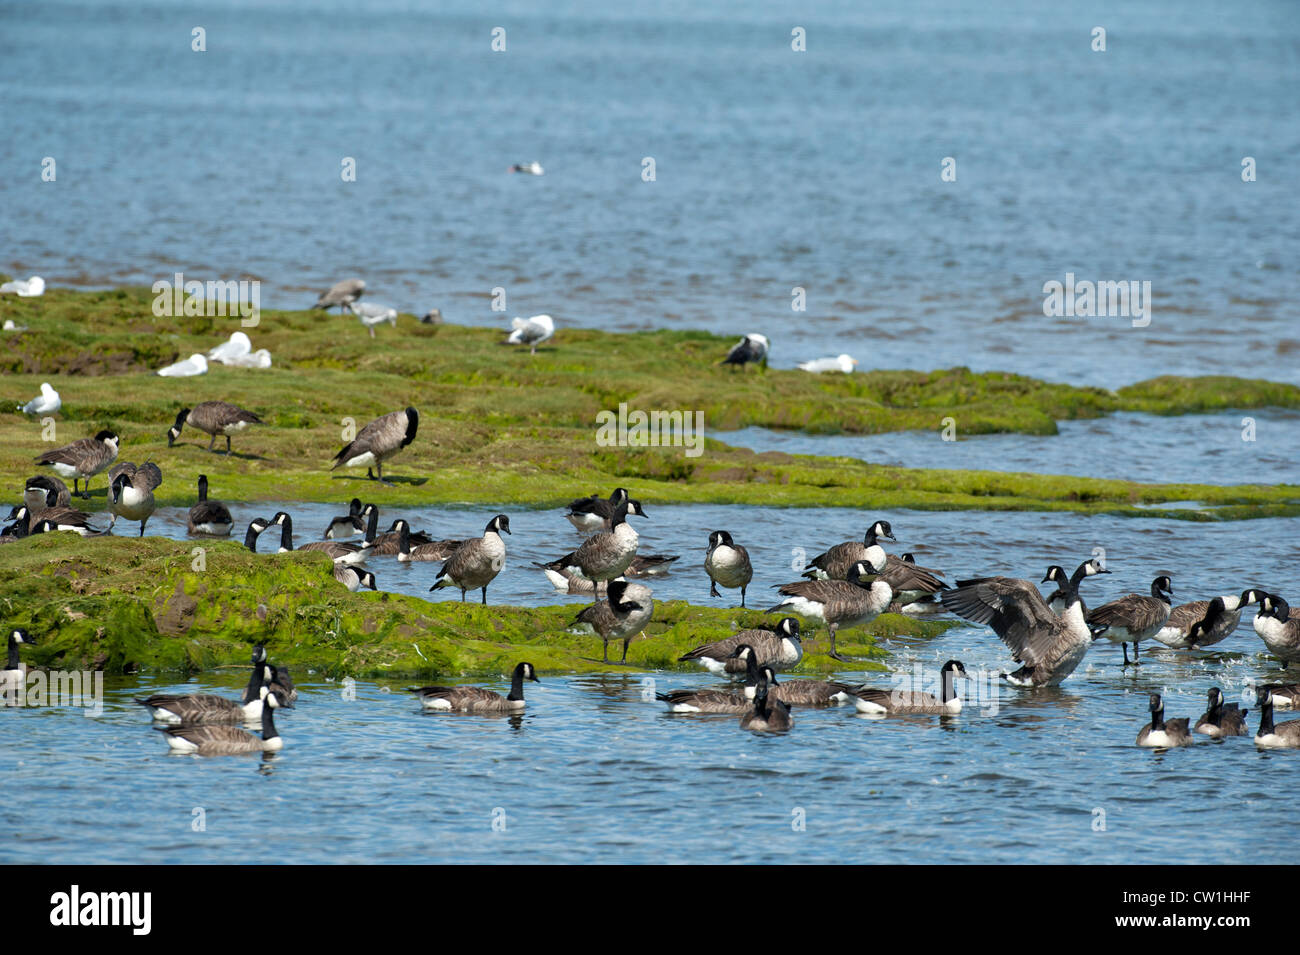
x=133 y=506
x=1159 y=739
x=806 y=608
x=1274 y=634
x=727 y=567
x=364 y=460
x=66 y=470
x=213 y=530
x=1274 y=741
x=586 y=522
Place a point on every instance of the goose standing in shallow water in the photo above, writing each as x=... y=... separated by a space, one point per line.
x=353 y=522
x=82 y=460
x=592 y=513
x=205 y=740
x=1161 y=733
x=779 y=648
x=473 y=699
x=1048 y=647
x=606 y=554
x=209 y=518
x=840 y=603
x=1218 y=618
x=350 y=554
x=769 y=714
x=215 y=418
x=568 y=581
x=131 y=492
x=836 y=562
x=1133 y=617
x=624 y=612
x=1279 y=627
x=379 y=441
x=1219 y=720
x=1274 y=736
x=727 y=563
x=476 y=563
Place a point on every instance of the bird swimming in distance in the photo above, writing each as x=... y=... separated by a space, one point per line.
x=533 y=168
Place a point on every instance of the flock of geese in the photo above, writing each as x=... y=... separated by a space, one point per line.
x=848 y=585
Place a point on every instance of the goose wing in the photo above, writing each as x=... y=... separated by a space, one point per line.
x=1134 y=611
x=1184 y=615
x=1013 y=608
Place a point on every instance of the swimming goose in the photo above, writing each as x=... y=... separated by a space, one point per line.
x=206 y=740
x=1133 y=617
x=1219 y=720
x=751 y=348
x=15 y=671
x=276 y=678
x=31 y=288
x=836 y=563
x=231 y=350
x=1203 y=623
x=606 y=554
x=476 y=562
x=354 y=578
x=196 y=364
x=131 y=492
x=531 y=331
x=36 y=492
x=473 y=699
x=624 y=612
x=590 y=514
x=82 y=460
x=840 y=603
x=1274 y=736
x=527 y=168
x=213 y=418
x=200 y=708
x=843 y=363
x=780 y=649
x=349 y=554
x=47 y=402
x=209 y=518
x=769 y=714
x=379 y=441
x=60 y=517
x=877 y=701
x=413 y=547
x=1161 y=733
x=372 y=314
x=1279 y=627
x=1048 y=646
x=727 y=563
x=801 y=692
x=353 y=522
x=1284 y=696
x=342 y=294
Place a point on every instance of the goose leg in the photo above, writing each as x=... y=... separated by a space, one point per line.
x=604 y=656
x=713 y=588
x=227 y=444
x=485 y=596
x=462 y=595
x=1124 y=647
x=834 y=654
x=626 y=641
x=213 y=441
x=742 y=595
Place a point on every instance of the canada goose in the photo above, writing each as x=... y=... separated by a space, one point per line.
x=1219 y=720
x=82 y=460
x=36 y=492
x=1203 y=623
x=803 y=692
x=1284 y=696
x=843 y=363
x=769 y=714
x=341 y=294
x=780 y=649
x=15 y=671
x=1279 y=627
x=1133 y=617
x=372 y=314
x=1069 y=583
x=624 y=612
x=1161 y=733
x=231 y=350
x=473 y=699
x=199 y=708
x=47 y=402
x=255 y=528
x=718 y=701
x=533 y=168
x=350 y=523
x=836 y=563
x=568 y=581
x=277 y=679
x=354 y=578
x=751 y=348
x=727 y=563
x=30 y=288
x=1049 y=646
x=531 y=331
x=476 y=562
x=1270 y=736
x=209 y=518
x=877 y=701
x=606 y=554
x=592 y=513
x=379 y=441
x=196 y=364
x=350 y=554
x=214 y=418
x=61 y=517
x=131 y=492
x=840 y=603
x=207 y=740
x=412 y=547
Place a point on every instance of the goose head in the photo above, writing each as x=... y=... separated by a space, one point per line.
x=634 y=507
x=1055 y=574
x=525 y=671
x=879 y=529
x=720 y=539
x=1252 y=595
x=1162 y=585
x=859 y=573
x=109 y=438
x=498 y=524
x=174 y=431
x=789 y=628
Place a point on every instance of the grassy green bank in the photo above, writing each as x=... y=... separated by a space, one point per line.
x=130 y=605
x=501 y=426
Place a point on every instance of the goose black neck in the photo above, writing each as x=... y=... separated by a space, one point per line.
x=949 y=690
x=1076 y=578
x=751 y=668
x=1157 y=592
x=286 y=534
x=203 y=489
x=403 y=540
x=517 y=685
x=14 y=663
x=255 y=681
x=1266 y=716
x=372 y=526
x=250 y=538
x=268 y=720
x=1158 y=718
